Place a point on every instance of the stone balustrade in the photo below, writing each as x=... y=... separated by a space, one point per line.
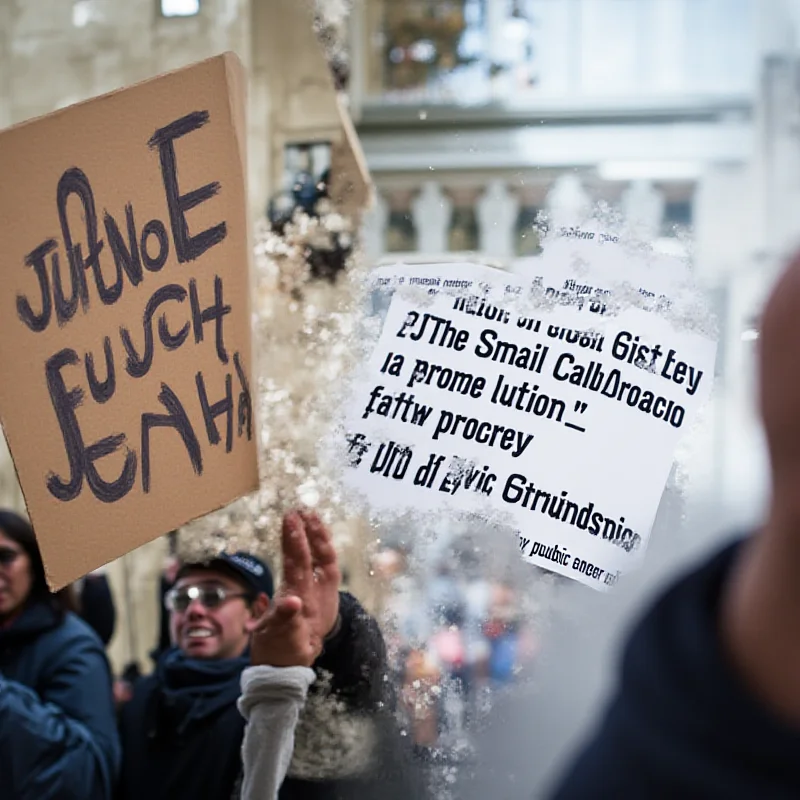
x=500 y=218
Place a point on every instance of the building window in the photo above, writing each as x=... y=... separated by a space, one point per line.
x=463 y=235
x=528 y=232
x=306 y=175
x=461 y=51
x=82 y=13
x=677 y=217
x=401 y=234
x=180 y=8
x=516 y=52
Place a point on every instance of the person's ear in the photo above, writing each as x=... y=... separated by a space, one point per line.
x=258 y=608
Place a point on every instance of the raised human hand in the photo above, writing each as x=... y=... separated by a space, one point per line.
x=311 y=572
x=283 y=637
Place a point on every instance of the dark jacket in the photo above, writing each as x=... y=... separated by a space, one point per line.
x=682 y=724
x=97 y=607
x=58 y=735
x=182 y=732
x=163 y=643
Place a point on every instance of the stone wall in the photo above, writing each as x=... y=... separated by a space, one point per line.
x=55 y=52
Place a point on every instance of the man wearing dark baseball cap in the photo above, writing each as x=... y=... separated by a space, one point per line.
x=205 y=619
x=182 y=731
x=254 y=573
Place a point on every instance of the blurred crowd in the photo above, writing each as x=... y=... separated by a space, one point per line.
x=342 y=697
x=455 y=629
x=301 y=660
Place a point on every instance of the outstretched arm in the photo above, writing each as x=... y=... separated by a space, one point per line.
x=349 y=645
x=271 y=701
x=760 y=614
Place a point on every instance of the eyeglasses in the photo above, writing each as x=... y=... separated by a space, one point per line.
x=8 y=556
x=210 y=597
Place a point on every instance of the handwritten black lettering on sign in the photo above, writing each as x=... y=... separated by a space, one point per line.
x=70 y=278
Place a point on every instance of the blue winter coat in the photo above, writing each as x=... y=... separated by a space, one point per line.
x=58 y=735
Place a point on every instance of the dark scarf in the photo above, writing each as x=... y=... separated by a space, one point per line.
x=192 y=689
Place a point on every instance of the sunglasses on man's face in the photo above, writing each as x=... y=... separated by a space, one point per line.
x=8 y=556
x=210 y=597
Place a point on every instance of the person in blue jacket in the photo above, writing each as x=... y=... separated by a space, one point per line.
x=58 y=734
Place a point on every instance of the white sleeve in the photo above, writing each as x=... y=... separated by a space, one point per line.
x=271 y=701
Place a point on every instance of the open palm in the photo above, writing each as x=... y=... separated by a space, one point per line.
x=311 y=571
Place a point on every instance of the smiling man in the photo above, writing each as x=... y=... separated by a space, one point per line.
x=204 y=622
x=182 y=731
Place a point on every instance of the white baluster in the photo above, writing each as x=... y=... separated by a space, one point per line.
x=643 y=207
x=567 y=202
x=497 y=215
x=432 y=210
x=373 y=227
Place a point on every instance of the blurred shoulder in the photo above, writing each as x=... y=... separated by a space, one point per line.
x=74 y=631
x=70 y=639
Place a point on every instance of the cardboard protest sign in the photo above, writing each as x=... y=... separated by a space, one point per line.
x=125 y=336
x=559 y=418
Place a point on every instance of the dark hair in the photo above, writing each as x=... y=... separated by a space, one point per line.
x=19 y=530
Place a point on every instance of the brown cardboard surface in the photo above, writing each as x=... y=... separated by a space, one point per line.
x=305 y=106
x=170 y=336
x=351 y=184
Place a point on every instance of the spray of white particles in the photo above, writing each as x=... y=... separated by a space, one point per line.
x=312 y=338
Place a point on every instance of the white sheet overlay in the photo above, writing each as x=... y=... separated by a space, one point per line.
x=560 y=419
